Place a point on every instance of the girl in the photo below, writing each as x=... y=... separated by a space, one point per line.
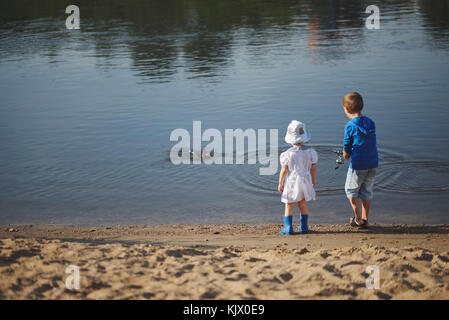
x=298 y=176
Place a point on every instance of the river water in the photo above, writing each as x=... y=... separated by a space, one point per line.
x=86 y=115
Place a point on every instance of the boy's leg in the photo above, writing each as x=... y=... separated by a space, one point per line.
x=366 y=193
x=354 y=181
x=355 y=204
x=365 y=209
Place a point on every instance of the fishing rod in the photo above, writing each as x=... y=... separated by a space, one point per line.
x=339 y=159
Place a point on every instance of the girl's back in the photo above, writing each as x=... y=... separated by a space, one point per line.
x=299 y=158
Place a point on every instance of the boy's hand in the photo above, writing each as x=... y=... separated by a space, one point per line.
x=281 y=188
x=346 y=155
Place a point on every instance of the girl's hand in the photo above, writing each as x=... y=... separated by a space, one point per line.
x=281 y=188
x=313 y=184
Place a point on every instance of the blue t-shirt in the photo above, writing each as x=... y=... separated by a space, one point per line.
x=360 y=143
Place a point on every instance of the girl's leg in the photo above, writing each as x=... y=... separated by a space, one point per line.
x=303 y=217
x=288 y=228
x=303 y=207
x=289 y=207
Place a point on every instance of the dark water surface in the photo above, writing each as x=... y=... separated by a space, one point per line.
x=86 y=115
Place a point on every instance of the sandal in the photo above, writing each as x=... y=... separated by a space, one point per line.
x=365 y=224
x=353 y=223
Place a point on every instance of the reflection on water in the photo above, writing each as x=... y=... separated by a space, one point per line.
x=85 y=115
x=199 y=37
x=436 y=22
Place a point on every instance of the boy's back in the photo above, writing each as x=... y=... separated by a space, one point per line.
x=360 y=143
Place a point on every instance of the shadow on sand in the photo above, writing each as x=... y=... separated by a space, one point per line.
x=388 y=229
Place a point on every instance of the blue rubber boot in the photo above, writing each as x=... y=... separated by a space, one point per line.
x=304 y=226
x=288 y=228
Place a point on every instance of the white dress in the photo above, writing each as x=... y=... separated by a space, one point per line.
x=298 y=182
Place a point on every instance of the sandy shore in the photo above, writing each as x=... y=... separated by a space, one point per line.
x=223 y=262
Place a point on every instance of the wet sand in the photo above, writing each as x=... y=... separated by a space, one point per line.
x=224 y=262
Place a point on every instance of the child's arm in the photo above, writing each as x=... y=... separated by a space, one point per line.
x=313 y=173
x=347 y=142
x=282 y=175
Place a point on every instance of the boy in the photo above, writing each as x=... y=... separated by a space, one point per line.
x=359 y=146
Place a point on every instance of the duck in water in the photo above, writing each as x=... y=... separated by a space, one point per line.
x=197 y=155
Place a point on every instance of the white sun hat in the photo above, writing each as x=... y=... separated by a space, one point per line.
x=297 y=133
